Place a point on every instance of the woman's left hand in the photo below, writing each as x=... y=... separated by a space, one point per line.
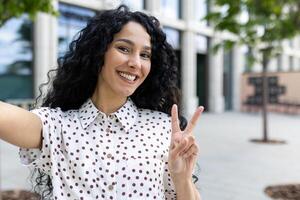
x=183 y=148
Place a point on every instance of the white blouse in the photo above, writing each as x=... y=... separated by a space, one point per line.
x=90 y=155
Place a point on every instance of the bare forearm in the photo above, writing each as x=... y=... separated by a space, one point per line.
x=196 y=192
x=19 y=127
x=186 y=190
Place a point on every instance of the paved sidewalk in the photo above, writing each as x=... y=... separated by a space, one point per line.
x=12 y=174
x=231 y=167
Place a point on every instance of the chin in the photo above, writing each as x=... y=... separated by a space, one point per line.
x=126 y=93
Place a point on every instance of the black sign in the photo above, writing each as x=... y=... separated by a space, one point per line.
x=275 y=90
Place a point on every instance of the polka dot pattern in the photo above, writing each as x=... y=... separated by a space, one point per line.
x=91 y=155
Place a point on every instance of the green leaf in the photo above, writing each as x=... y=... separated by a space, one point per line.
x=268 y=23
x=15 y=8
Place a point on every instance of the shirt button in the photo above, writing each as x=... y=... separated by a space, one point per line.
x=109 y=155
x=110 y=187
x=108 y=130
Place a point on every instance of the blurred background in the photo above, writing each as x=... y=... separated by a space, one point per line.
x=224 y=82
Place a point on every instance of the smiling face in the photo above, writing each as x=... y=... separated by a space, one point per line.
x=127 y=61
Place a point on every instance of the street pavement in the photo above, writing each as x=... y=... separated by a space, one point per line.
x=230 y=167
x=233 y=168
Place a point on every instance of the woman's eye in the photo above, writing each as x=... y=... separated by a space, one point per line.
x=145 y=55
x=123 y=49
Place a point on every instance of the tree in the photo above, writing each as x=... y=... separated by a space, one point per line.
x=261 y=25
x=15 y=8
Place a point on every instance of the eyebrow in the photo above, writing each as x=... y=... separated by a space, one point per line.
x=131 y=43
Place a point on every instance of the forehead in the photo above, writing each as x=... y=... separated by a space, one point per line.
x=134 y=32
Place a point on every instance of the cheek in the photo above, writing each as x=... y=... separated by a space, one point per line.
x=146 y=70
x=102 y=72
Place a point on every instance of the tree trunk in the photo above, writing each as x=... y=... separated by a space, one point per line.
x=265 y=97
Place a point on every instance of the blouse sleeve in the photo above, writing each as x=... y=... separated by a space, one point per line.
x=42 y=158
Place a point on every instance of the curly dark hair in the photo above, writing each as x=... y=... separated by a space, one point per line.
x=75 y=79
x=77 y=72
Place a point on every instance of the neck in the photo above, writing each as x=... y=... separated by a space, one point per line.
x=107 y=102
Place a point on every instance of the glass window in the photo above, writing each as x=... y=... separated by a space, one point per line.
x=248 y=67
x=291 y=43
x=201 y=43
x=291 y=63
x=279 y=62
x=16 y=59
x=173 y=37
x=171 y=8
x=135 y=4
x=227 y=79
x=200 y=11
x=71 y=20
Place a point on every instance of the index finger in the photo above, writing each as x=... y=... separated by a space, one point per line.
x=174 y=119
x=192 y=123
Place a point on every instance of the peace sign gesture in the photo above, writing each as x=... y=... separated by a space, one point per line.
x=183 y=148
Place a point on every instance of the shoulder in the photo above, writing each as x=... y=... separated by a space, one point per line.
x=54 y=114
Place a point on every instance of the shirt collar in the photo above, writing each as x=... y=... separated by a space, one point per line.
x=88 y=113
x=126 y=115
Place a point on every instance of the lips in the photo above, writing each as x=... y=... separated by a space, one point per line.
x=128 y=76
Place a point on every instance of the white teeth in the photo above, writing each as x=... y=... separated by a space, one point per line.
x=127 y=76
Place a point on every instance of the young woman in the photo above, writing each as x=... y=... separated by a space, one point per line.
x=105 y=131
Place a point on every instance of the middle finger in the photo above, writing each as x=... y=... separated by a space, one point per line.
x=192 y=123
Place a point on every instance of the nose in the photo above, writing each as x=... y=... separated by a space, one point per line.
x=134 y=61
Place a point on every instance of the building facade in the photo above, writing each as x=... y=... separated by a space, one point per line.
x=29 y=50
